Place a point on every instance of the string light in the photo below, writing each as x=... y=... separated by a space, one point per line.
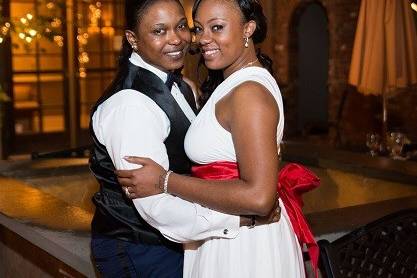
x=83 y=58
x=50 y=5
x=83 y=73
x=30 y=27
x=32 y=32
x=95 y=15
x=414 y=6
x=4 y=30
x=56 y=22
x=59 y=40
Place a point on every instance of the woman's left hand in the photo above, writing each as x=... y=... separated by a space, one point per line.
x=141 y=182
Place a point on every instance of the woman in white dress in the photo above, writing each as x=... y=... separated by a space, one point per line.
x=235 y=138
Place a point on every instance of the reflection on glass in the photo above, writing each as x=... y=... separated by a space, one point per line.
x=395 y=144
x=38 y=74
x=373 y=142
x=99 y=29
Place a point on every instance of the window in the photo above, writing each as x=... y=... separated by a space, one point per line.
x=55 y=82
x=38 y=74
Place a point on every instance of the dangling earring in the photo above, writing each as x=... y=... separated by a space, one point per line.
x=246 y=42
x=134 y=45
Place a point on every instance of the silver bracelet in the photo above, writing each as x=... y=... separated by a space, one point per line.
x=166 y=181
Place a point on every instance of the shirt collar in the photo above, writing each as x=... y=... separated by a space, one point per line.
x=138 y=61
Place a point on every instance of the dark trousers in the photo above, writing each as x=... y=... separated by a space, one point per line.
x=118 y=258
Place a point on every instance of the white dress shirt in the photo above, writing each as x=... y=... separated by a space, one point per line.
x=130 y=123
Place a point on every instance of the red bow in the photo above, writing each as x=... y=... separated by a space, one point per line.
x=293 y=181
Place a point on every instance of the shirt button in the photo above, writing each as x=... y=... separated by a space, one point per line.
x=225 y=231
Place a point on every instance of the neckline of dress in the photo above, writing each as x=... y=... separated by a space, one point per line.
x=244 y=69
x=227 y=80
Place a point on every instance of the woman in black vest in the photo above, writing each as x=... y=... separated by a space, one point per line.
x=157 y=39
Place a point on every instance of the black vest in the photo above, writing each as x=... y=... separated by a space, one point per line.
x=115 y=214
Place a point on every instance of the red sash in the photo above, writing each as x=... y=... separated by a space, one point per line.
x=293 y=181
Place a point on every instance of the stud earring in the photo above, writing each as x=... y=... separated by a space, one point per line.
x=246 y=42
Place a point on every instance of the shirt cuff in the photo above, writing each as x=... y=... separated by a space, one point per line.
x=183 y=221
x=222 y=225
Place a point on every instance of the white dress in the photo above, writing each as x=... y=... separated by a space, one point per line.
x=264 y=251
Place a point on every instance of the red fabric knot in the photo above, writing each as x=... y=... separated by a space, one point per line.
x=293 y=181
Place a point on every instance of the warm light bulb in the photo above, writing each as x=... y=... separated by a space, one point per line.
x=56 y=22
x=29 y=16
x=23 y=20
x=32 y=32
x=414 y=6
x=83 y=73
x=28 y=39
x=22 y=36
x=50 y=5
x=83 y=58
x=7 y=24
x=1 y=39
x=59 y=40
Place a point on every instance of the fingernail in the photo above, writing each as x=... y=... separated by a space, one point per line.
x=126 y=157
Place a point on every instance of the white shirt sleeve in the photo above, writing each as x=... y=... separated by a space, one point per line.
x=130 y=123
x=182 y=221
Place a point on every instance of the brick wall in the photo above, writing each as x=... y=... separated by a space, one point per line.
x=361 y=114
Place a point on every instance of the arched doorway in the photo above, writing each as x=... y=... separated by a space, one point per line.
x=312 y=60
